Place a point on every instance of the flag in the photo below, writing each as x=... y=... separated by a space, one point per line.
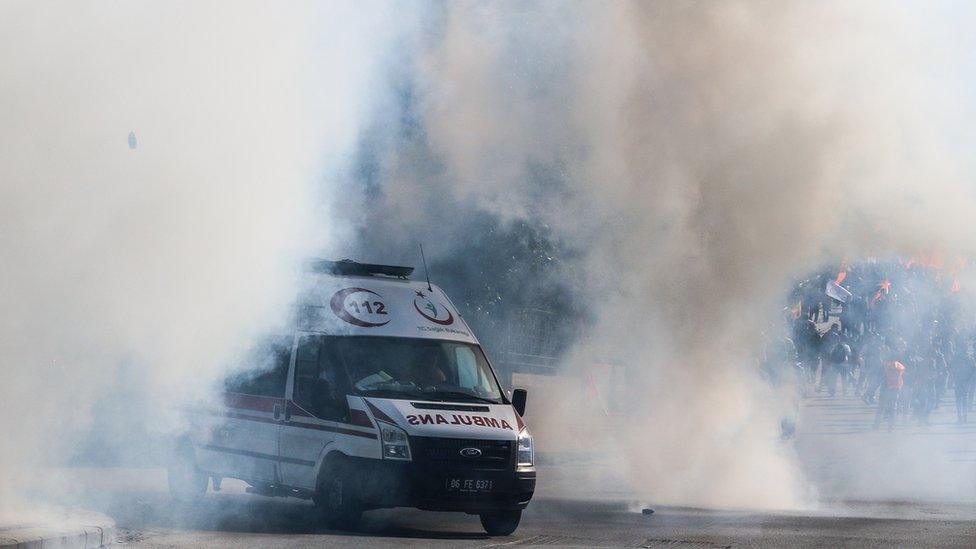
x=837 y=292
x=883 y=290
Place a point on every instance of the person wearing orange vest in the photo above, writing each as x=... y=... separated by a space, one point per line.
x=894 y=373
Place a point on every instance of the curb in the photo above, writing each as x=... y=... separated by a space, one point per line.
x=98 y=533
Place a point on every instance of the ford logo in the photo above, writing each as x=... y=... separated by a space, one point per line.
x=470 y=452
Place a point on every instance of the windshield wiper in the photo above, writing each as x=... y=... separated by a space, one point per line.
x=390 y=393
x=462 y=395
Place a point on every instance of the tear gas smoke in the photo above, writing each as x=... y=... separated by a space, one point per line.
x=694 y=157
x=159 y=171
x=686 y=159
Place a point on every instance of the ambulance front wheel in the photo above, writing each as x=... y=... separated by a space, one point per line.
x=337 y=496
x=501 y=523
x=186 y=481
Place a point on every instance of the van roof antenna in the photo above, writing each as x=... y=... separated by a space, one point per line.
x=426 y=272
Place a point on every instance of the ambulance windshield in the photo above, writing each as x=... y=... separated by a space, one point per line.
x=429 y=369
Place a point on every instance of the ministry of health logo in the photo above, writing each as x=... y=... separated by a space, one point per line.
x=429 y=310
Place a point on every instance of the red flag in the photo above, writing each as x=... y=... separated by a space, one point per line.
x=842 y=272
x=883 y=290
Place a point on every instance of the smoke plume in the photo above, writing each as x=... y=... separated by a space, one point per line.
x=690 y=158
x=161 y=170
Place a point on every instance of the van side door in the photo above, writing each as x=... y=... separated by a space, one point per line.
x=315 y=407
x=245 y=445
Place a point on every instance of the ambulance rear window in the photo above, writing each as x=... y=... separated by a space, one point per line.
x=264 y=371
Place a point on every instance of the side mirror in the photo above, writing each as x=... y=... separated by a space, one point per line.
x=518 y=400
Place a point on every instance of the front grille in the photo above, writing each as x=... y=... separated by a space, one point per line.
x=495 y=454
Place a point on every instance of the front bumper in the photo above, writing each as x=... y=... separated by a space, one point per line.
x=387 y=483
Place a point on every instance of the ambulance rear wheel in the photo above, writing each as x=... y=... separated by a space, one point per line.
x=186 y=481
x=501 y=523
x=337 y=497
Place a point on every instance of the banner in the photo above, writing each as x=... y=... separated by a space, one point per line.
x=837 y=291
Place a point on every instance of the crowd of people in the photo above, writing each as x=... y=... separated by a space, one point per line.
x=899 y=335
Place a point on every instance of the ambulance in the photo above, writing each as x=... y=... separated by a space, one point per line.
x=381 y=397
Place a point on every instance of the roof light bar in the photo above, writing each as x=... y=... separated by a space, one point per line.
x=350 y=267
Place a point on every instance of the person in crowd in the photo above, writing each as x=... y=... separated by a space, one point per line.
x=940 y=349
x=924 y=377
x=903 y=325
x=779 y=361
x=811 y=299
x=859 y=312
x=854 y=340
x=894 y=380
x=807 y=340
x=779 y=366
x=824 y=301
x=872 y=367
x=839 y=364
x=902 y=352
x=828 y=341
x=970 y=351
x=962 y=371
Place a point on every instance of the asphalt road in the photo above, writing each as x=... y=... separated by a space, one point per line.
x=915 y=486
x=249 y=522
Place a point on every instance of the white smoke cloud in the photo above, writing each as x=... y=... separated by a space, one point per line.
x=169 y=256
x=695 y=155
x=700 y=154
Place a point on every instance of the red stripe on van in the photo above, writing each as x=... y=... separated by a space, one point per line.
x=255 y=403
x=300 y=425
x=342 y=431
x=251 y=418
x=378 y=414
x=359 y=417
x=332 y=429
x=354 y=419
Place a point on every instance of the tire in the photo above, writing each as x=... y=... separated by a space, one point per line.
x=186 y=481
x=338 y=498
x=501 y=523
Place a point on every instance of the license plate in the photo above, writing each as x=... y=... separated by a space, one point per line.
x=469 y=485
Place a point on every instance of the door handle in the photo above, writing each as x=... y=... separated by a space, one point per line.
x=287 y=412
x=276 y=411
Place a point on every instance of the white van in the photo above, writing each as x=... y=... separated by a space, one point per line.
x=381 y=398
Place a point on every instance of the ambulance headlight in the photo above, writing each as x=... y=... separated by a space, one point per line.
x=525 y=453
x=395 y=444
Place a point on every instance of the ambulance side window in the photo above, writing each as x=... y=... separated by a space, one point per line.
x=267 y=371
x=316 y=382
